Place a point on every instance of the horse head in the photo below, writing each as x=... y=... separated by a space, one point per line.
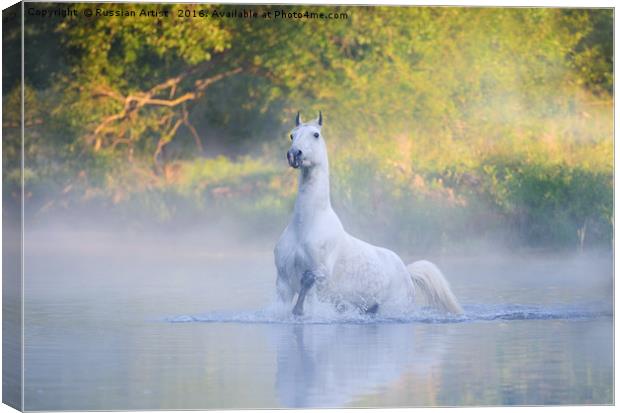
x=307 y=144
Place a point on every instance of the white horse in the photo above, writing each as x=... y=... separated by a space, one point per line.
x=316 y=250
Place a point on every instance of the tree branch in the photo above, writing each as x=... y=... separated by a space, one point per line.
x=134 y=102
x=192 y=130
x=163 y=141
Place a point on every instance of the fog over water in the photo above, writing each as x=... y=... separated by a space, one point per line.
x=122 y=319
x=156 y=184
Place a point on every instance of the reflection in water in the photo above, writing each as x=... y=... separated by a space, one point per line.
x=97 y=336
x=332 y=365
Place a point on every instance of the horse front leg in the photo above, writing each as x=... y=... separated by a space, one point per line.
x=284 y=291
x=307 y=281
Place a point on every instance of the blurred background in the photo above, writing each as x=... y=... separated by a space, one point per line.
x=447 y=128
x=157 y=186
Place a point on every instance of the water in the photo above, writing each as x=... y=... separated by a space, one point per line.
x=128 y=323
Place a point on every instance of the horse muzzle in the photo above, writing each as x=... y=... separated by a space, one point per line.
x=294 y=158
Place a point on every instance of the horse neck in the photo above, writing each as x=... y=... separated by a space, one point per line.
x=313 y=193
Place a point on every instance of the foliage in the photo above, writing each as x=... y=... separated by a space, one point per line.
x=443 y=124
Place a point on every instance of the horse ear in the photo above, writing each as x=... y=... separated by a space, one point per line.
x=320 y=121
x=298 y=119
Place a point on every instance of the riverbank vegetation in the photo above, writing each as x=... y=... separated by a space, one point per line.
x=445 y=126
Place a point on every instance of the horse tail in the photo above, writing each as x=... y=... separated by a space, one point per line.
x=427 y=277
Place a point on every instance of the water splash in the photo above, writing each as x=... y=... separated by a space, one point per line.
x=472 y=313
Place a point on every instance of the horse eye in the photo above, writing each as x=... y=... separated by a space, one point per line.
x=316 y=134
x=291 y=136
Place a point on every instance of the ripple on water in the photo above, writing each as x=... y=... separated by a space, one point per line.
x=472 y=313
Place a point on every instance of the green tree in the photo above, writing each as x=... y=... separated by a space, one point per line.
x=449 y=107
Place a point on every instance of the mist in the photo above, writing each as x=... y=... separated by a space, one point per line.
x=129 y=318
x=155 y=187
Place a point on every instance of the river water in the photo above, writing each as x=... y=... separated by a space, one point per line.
x=140 y=323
